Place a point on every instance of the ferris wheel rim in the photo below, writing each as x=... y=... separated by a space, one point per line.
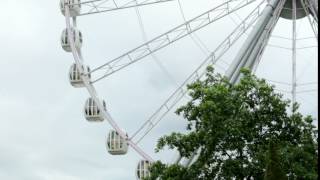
x=91 y=89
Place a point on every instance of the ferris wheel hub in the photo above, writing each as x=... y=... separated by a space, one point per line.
x=287 y=10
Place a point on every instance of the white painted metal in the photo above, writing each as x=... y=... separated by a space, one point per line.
x=77 y=39
x=100 y=6
x=170 y=37
x=115 y=144
x=74 y=7
x=224 y=46
x=142 y=170
x=245 y=51
x=262 y=41
x=78 y=60
x=313 y=6
x=82 y=75
x=312 y=20
x=92 y=112
x=75 y=76
x=242 y=59
x=294 y=52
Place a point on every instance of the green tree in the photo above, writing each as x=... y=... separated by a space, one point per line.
x=274 y=170
x=234 y=125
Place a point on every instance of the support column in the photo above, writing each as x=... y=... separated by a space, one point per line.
x=294 y=52
x=246 y=50
x=263 y=39
x=314 y=8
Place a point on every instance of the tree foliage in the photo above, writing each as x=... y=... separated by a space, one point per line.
x=274 y=169
x=234 y=126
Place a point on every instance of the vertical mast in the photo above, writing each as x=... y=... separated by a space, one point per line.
x=294 y=52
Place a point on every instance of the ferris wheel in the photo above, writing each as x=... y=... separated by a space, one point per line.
x=257 y=25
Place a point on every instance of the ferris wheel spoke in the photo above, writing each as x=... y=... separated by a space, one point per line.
x=101 y=6
x=197 y=41
x=156 y=117
x=171 y=36
x=313 y=21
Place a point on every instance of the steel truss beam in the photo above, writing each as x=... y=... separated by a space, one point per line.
x=170 y=37
x=198 y=73
x=101 y=6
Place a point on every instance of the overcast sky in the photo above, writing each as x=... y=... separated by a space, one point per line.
x=43 y=133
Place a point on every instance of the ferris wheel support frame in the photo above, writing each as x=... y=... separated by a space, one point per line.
x=260 y=46
x=78 y=60
x=89 y=85
x=248 y=56
x=313 y=22
x=313 y=5
x=170 y=37
x=248 y=50
x=199 y=72
x=243 y=59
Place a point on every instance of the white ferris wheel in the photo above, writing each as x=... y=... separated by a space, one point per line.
x=256 y=28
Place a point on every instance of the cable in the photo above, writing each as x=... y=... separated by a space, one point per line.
x=238 y=16
x=278 y=82
x=145 y=39
x=280 y=47
x=281 y=37
x=307 y=91
x=305 y=68
x=298 y=39
x=205 y=50
x=306 y=84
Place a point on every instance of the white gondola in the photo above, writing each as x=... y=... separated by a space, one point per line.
x=143 y=169
x=92 y=112
x=75 y=76
x=116 y=145
x=74 y=6
x=77 y=38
